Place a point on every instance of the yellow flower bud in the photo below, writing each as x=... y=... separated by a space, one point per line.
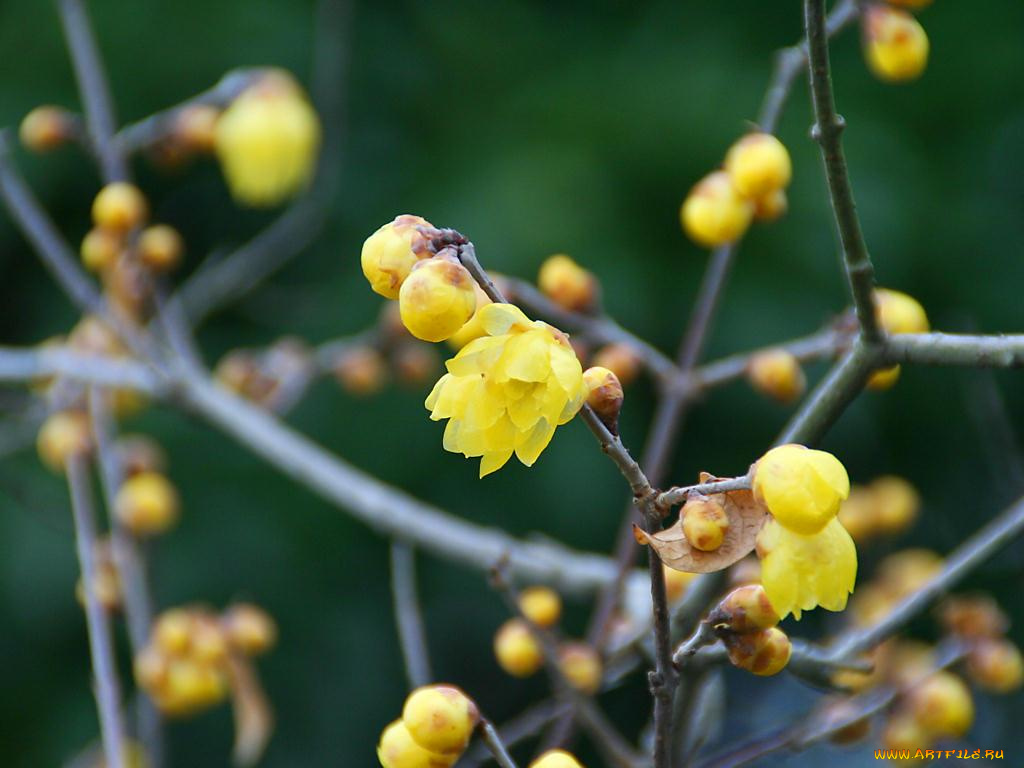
x=361 y=371
x=899 y=313
x=973 y=617
x=883 y=379
x=46 y=128
x=62 y=435
x=150 y=667
x=777 y=373
x=745 y=609
x=859 y=514
x=942 y=705
x=517 y=650
x=160 y=247
x=904 y=733
x=763 y=653
x=581 y=666
x=677 y=582
x=621 y=360
x=556 y=758
x=714 y=212
x=567 y=284
x=771 y=205
x=172 y=632
x=190 y=687
x=704 y=523
x=119 y=207
x=267 y=141
x=389 y=254
x=398 y=749
x=146 y=504
x=541 y=605
x=196 y=128
x=996 y=665
x=437 y=299
x=758 y=164
x=440 y=718
x=895 y=44
x=604 y=395
x=100 y=249
x=801 y=487
x=207 y=642
x=904 y=572
x=897 y=503
x=250 y=629
x=415 y=363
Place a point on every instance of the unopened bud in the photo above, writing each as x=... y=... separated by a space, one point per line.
x=745 y=609
x=581 y=666
x=705 y=522
x=46 y=128
x=567 y=283
x=777 y=374
x=604 y=395
x=763 y=653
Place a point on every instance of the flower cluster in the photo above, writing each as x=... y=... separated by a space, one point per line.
x=436 y=724
x=807 y=557
x=720 y=207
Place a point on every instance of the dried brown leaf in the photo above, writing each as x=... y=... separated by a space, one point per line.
x=746 y=517
x=254 y=718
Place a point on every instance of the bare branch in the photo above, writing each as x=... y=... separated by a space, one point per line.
x=996 y=351
x=490 y=736
x=408 y=617
x=24 y=364
x=101 y=643
x=677 y=495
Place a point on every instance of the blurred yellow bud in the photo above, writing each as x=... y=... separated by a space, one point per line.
x=777 y=374
x=763 y=653
x=883 y=379
x=196 y=128
x=100 y=249
x=899 y=313
x=895 y=44
x=250 y=629
x=771 y=205
x=705 y=522
x=973 y=617
x=440 y=718
x=415 y=363
x=621 y=360
x=267 y=141
x=160 y=247
x=517 y=650
x=541 y=605
x=361 y=371
x=897 y=503
x=190 y=687
x=172 y=632
x=942 y=705
x=904 y=733
x=62 y=435
x=45 y=128
x=389 y=254
x=556 y=758
x=398 y=749
x=581 y=666
x=996 y=665
x=436 y=299
x=567 y=284
x=146 y=504
x=119 y=207
x=714 y=212
x=758 y=164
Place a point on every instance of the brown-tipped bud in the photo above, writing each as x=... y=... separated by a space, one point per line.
x=763 y=653
x=160 y=247
x=64 y=434
x=973 y=617
x=240 y=372
x=567 y=283
x=415 y=363
x=771 y=205
x=196 y=128
x=45 y=128
x=139 y=453
x=996 y=665
x=705 y=522
x=361 y=371
x=250 y=629
x=100 y=249
x=440 y=718
x=777 y=374
x=745 y=609
x=604 y=395
x=620 y=360
x=581 y=666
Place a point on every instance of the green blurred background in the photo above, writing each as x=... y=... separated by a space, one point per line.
x=534 y=127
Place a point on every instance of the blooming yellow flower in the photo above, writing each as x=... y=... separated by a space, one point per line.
x=268 y=140
x=800 y=572
x=507 y=391
x=807 y=557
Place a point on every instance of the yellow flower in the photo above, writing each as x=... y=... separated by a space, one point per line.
x=507 y=391
x=800 y=572
x=801 y=487
x=267 y=141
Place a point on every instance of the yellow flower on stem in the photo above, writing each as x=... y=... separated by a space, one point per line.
x=507 y=391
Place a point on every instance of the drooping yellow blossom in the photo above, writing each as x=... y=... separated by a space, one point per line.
x=801 y=487
x=506 y=392
x=268 y=140
x=800 y=572
x=807 y=557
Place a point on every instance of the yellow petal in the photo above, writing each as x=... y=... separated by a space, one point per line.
x=535 y=443
x=491 y=462
x=499 y=319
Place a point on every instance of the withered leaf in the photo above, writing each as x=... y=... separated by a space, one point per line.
x=254 y=719
x=746 y=517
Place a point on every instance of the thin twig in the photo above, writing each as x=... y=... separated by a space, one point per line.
x=827 y=130
x=490 y=736
x=93 y=86
x=677 y=495
x=101 y=643
x=408 y=617
x=521 y=727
